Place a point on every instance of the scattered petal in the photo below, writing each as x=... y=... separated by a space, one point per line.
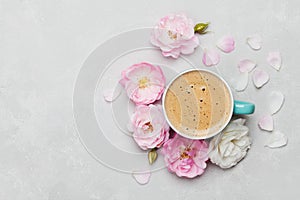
x=141 y=177
x=260 y=78
x=152 y=156
x=277 y=139
x=266 y=123
x=111 y=94
x=210 y=57
x=274 y=59
x=246 y=65
x=242 y=82
x=276 y=101
x=226 y=44
x=255 y=41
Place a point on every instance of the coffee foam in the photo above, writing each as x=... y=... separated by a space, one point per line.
x=198 y=104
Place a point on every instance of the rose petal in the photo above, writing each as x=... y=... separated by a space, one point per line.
x=111 y=94
x=141 y=177
x=274 y=59
x=260 y=78
x=210 y=57
x=226 y=44
x=266 y=123
x=276 y=102
x=242 y=82
x=255 y=41
x=277 y=139
x=246 y=65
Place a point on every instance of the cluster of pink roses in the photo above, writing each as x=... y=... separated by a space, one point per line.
x=144 y=84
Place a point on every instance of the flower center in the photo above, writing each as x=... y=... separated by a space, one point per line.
x=149 y=127
x=172 y=35
x=143 y=82
x=186 y=153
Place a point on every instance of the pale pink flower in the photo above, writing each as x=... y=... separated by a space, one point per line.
x=143 y=82
x=185 y=157
x=174 y=34
x=149 y=126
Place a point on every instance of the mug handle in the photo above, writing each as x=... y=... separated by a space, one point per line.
x=243 y=108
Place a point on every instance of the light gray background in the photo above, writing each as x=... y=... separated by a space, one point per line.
x=42 y=47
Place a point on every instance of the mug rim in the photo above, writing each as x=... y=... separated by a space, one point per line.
x=198 y=137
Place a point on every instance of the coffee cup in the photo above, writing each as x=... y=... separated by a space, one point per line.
x=198 y=104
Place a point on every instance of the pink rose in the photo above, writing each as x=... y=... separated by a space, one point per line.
x=143 y=82
x=149 y=125
x=185 y=157
x=174 y=34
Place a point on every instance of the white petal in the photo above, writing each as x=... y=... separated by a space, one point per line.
x=274 y=59
x=276 y=102
x=226 y=44
x=210 y=57
x=142 y=178
x=246 y=65
x=266 y=123
x=277 y=139
x=242 y=82
x=239 y=121
x=255 y=41
x=260 y=78
x=111 y=94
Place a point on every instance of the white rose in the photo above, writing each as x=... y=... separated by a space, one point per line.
x=230 y=146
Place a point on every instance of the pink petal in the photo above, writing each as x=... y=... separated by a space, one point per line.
x=111 y=94
x=210 y=57
x=260 y=78
x=242 y=82
x=277 y=139
x=141 y=177
x=226 y=44
x=246 y=65
x=276 y=102
x=255 y=41
x=266 y=123
x=274 y=59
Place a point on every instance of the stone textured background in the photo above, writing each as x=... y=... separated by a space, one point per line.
x=42 y=47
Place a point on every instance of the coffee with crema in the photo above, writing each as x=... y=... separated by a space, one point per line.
x=198 y=103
